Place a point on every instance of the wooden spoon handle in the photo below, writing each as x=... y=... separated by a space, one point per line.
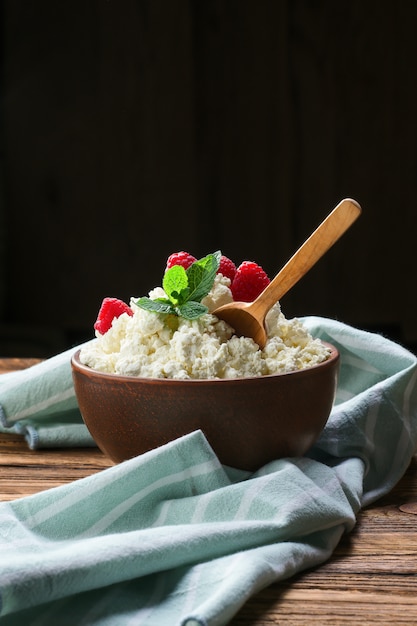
x=319 y=242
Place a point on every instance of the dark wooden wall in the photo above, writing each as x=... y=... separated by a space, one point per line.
x=132 y=129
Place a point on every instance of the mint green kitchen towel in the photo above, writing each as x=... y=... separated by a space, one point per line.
x=40 y=404
x=173 y=537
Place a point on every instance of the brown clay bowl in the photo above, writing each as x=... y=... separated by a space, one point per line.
x=247 y=421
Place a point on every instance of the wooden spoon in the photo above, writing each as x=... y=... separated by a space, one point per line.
x=248 y=318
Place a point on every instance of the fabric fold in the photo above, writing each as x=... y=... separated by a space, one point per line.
x=40 y=404
x=168 y=511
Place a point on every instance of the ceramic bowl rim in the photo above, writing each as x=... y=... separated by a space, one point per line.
x=76 y=364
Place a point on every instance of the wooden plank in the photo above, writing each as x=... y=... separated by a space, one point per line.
x=25 y=472
x=13 y=364
x=14 y=451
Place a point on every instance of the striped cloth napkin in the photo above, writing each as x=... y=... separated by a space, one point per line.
x=172 y=536
x=40 y=404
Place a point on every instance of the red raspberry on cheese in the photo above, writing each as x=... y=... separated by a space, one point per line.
x=185 y=259
x=109 y=310
x=227 y=267
x=249 y=281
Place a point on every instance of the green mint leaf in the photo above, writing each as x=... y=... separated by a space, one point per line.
x=159 y=305
x=175 y=284
x=201 y=275
x=185 y=289
x=191 y=310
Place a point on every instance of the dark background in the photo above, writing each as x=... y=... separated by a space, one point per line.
x=133 y=129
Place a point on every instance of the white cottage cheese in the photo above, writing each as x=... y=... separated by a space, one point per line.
x=160 y=346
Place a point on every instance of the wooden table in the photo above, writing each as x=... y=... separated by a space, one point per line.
x=370 y=579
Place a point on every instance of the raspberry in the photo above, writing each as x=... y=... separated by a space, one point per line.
x=109 y=310
x=227 y=267
x=180 y=258
x=250 y=279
